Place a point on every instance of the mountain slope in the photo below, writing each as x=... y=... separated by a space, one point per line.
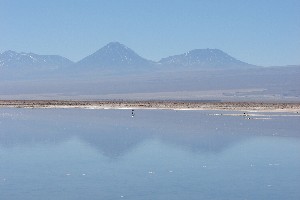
x=12 y=59
x=204 y=59
x=114 y=56
x=20 y=66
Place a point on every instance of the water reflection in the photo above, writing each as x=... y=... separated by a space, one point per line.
x=108 y=154
x=114 y=132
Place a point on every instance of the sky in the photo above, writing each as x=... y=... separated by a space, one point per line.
x=260 y=32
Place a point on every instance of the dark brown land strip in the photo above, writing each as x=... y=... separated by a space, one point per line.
x=152 y=105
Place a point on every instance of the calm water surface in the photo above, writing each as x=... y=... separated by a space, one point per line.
x=107 y=154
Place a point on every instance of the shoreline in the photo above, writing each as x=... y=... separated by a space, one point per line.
x=163 y=105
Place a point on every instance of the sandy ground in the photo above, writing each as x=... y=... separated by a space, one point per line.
x=171 y=105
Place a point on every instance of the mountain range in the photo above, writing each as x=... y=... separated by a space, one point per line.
x=117 y=57
x=117 y=72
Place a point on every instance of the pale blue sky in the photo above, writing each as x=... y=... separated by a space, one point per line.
x=262 y=32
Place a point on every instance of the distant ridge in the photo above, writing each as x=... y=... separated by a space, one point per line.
x=118 y=58
x=12 y=59
x=204 y=59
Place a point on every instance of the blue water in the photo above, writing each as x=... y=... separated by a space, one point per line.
x=107 y=154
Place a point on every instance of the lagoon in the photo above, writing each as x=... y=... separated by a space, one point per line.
x=157 y=154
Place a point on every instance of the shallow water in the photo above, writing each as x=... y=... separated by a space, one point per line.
x=107 y=154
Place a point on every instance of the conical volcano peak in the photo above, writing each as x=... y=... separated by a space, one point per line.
x=115 y=45
x=116 y=49
x=116 y=56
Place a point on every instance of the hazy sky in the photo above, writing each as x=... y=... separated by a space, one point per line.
x=262 y=32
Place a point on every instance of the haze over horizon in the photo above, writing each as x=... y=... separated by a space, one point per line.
x=263 y=33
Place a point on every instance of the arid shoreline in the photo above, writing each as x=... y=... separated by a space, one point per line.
x=171 y=105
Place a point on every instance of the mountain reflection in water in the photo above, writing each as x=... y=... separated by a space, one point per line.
x=114 y=132
x=157 y=154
